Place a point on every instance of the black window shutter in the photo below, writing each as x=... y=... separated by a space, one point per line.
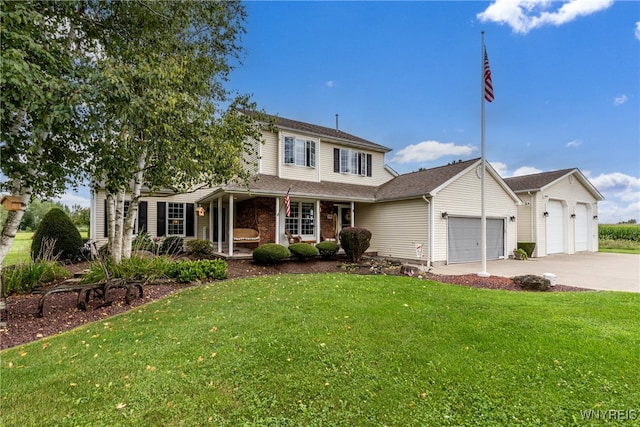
x=142 y=217
x=189 y=220
x=162 y=219
x=336 y=160
x=106 y=219
x=369 y=165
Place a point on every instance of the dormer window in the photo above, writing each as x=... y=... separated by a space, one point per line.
x=299 y=152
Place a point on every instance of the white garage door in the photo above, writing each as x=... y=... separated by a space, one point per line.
x=464 y=241
x=555 y=227
x=582 y=228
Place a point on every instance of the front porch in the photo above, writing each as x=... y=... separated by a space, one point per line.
x=225 y=218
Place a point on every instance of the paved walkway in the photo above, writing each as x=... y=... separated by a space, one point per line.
x=601 y=271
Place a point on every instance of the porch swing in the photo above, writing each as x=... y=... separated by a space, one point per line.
x=248 y=235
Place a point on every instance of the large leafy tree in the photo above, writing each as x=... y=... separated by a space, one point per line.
x=42 y=87
x=132 y=93
x=160 y=89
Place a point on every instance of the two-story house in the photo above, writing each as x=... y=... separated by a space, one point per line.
x=311 y=181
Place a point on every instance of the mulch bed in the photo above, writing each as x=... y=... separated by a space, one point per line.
x=61 y=314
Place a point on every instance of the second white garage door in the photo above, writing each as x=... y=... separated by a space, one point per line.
x=555 y=227
x=464 y=239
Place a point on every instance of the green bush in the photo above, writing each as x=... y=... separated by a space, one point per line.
x=56 y=237
x=172 y=245
x=355 y=241
x=23 y=278
x=328 y=249
x=528 y=247
x=270 y=253
x=204 y=269
x=303 y=251
x=199 y=248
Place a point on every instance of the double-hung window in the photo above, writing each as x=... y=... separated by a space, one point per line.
x=302 y=219
x=175 y=219
x=299 y=152
x=352 y=162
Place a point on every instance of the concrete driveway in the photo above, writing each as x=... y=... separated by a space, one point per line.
x=601 y=271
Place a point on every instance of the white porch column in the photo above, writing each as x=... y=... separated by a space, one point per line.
x=220 y=233
x=353 y=214
x=230 y=238
x=211 y=222
x=317 y=219
x=277 y=219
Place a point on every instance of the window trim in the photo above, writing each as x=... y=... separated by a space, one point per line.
x=184 y=219
x=297 y=206
x=352 y=162
x=294 y=145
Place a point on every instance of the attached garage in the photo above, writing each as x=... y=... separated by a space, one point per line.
x=555 y=227
x=464 y=239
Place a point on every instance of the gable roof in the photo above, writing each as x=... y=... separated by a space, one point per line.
x=429 y=182
x=541 y=181
x=322 y=132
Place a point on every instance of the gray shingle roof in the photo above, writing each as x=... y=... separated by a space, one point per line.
x=321 y=131
x=535 y=181
x=420 y=183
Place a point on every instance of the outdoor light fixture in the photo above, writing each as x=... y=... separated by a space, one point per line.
x=595 y=217
x=573 y=215
x=546 y=214
x=445 y=215
x=512 y=218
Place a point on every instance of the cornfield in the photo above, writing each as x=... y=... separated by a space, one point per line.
x=619 y=232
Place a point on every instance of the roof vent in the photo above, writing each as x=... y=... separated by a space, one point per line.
x=337 y=127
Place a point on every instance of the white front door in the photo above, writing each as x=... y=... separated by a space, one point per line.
x=581 y=228
x=555 y=227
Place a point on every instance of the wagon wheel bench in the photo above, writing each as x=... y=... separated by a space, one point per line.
x=84 y=290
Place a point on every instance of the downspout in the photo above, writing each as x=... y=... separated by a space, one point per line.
x=430 y=232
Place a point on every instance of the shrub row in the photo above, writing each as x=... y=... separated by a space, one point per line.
x=203 y=269
x=619 y=232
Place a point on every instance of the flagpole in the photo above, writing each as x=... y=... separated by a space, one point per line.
x=483 y=215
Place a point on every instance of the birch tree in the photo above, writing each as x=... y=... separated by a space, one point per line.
x=41 y=96
x=164 y=118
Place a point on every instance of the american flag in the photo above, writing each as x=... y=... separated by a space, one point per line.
x=488 y=85
x=287 y=203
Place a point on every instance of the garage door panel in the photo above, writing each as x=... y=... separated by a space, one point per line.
x=464 y=239
x=555 y=227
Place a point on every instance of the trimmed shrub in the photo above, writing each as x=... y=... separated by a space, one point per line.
x=270 y=253
x=328 y=249
x=134 y=268
x=303 y=251
x=199 y=248
x=355 y=241
x=23 y=278
x=528 y=247
x=172 y=245
x=186 y=271
x=57 y=228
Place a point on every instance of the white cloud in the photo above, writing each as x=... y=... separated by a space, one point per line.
x=637 y=31
x=526 y=170
x=574 y=143
x=500 y=167
x=524 y=15
x=71 y=199
x=622 y=197
x=620 y=99
x=330 y=83
x=430 y=150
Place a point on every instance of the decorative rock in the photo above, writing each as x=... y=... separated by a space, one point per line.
x=532 y=282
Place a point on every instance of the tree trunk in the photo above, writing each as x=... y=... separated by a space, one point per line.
x=132 y=214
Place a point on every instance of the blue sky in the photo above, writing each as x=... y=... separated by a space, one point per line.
x=566 y=78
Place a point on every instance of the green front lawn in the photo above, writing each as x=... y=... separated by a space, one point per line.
x=20 y=249
x=336 y=349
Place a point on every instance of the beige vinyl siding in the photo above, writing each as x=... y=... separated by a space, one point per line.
x=379 y=175
x=269 y=154
x=395 y=227
x=301 y=173
x=525 y=217
x=251 y=158
x=152 y=214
